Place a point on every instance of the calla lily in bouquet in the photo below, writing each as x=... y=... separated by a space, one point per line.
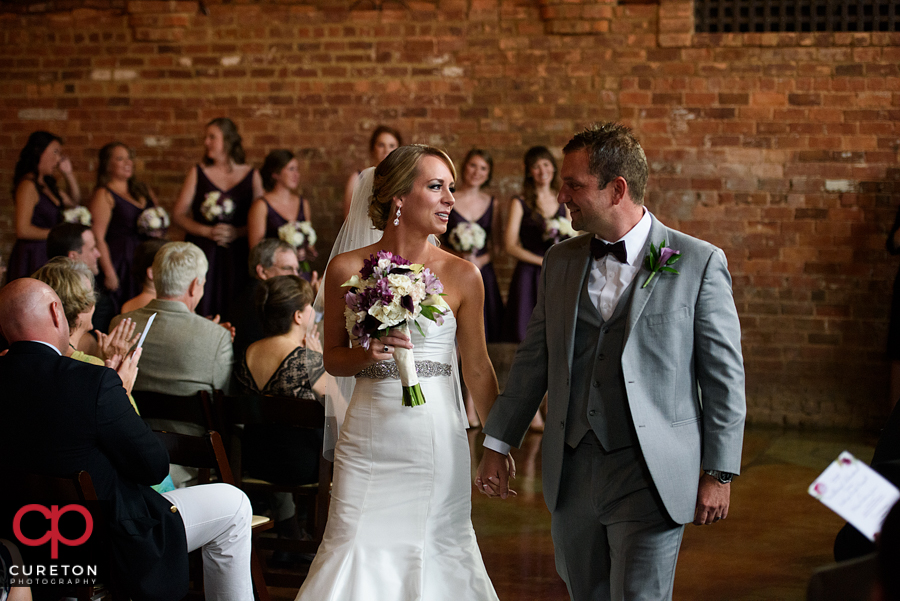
x=77 y=214
x=153 y=222
x=300 y=235
x=467 y=237
x=217 y=207
x=390 y=292
x=558 y=229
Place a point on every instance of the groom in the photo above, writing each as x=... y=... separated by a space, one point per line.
x=645 y=382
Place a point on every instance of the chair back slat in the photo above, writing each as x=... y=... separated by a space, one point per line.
x=193 y=409
x=27 y=486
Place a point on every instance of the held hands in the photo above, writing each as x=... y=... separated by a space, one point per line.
x=382 y=349
x=713 y=499
x=223 y=234
x=494 y=473
x=126 y=367
x=119 y=340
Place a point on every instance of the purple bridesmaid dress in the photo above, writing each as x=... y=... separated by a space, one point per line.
x=493 y=302
x=29 y=255
x=524 y=285
x=274 y=220
x=122 y=238
x=227 y=274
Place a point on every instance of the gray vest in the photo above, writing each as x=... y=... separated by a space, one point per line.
x=598 y=400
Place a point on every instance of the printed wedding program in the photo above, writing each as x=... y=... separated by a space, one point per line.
x=856 y=492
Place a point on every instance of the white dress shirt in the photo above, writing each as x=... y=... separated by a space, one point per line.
x=607 y=281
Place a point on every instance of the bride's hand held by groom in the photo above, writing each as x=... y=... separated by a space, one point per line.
x=494 y=473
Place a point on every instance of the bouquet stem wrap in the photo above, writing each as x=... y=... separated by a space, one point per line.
x=406 y=366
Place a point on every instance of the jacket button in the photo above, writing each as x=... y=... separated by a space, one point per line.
x=173 y=509
x=592 y=413
x=596 y=383
x=606 y=330
x=601 y=357
x=562 y=425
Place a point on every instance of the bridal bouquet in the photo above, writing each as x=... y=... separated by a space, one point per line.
x=217 y=207
x=468 y=237
x=77 y=214
x=390 y=292
x=558 y=229
x=153 y=222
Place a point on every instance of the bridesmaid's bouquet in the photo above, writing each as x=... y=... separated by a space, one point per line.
x=467 y=237
x=77 y=214
x=153 y=222
x=390 y=292
x=216 y=207
x=558 y=229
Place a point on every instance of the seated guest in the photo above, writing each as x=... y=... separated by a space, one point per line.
x=269 y=258
x=60 y=416
x=142 y=271
x=287 y=362
x=77 y=242
x=74 y=284
x=183 y=352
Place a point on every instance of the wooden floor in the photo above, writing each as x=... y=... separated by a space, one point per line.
x=775 y=534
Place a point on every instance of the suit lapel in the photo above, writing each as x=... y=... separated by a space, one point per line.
x=641 y=295
x=576 y=270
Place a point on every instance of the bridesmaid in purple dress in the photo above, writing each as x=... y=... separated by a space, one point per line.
x=224 y=179
x=524 y=238
x=280 y=204
x=39 y=201
x=475 y=206
x=118 y=202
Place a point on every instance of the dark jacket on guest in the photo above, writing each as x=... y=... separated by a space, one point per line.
x=61 y=416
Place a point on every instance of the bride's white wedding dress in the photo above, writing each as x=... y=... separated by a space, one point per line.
x=399 y=526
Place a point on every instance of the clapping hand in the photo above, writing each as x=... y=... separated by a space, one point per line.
x=225 y=324
x=65 y=165
x=312 y=341
x=126 y=367
x=118 y=341
x=494 y=473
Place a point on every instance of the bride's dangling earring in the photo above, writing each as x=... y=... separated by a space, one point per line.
x=397 y=219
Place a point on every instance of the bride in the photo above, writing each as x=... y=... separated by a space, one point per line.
x=399 y=525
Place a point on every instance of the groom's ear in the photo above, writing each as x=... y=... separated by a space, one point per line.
x=619 y=190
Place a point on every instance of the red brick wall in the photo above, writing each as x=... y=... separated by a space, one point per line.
x=780 y=148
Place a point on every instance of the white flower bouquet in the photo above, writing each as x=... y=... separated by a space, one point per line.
x=153 y=222
x=390 y=292
x=558 y=229
x=216 y=207
x=77 y=214
x=468 y=237
x=298 y=234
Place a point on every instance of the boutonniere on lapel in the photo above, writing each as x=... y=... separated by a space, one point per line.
x=661 y=258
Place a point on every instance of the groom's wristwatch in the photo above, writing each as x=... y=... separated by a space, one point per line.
x=723 y=477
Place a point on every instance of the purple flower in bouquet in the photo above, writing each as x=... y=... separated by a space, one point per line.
x=390 y=292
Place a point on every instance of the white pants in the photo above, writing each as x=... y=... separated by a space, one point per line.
x=217 y=517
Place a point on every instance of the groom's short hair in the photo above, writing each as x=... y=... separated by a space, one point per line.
x=613 y=151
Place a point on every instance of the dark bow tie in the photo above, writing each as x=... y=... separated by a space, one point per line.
x=600 y=249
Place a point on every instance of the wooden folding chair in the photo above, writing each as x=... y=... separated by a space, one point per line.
x=207 y=453
x=285 y=411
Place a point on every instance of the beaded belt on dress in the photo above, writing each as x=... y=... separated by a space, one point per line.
x=388 y=369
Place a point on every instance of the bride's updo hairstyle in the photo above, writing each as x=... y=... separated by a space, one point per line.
x=395 y=177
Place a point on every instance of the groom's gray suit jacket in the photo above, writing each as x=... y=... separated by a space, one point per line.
x=681 y=367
